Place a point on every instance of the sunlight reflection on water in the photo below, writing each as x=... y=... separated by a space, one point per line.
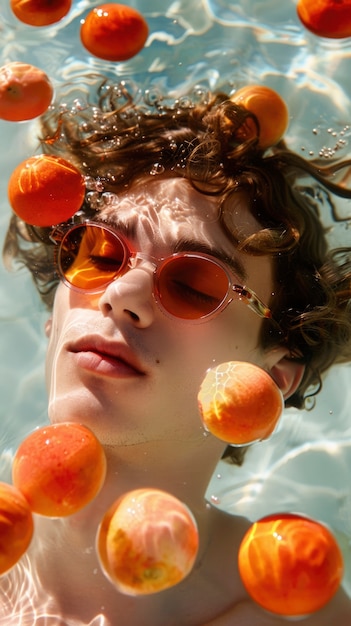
x=221 y=44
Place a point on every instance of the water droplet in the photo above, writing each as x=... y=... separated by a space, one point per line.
x=215 y=499
x=156 y=169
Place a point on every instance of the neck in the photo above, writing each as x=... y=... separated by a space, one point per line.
x=180 y=469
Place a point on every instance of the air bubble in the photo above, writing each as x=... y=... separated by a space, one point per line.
x=156 y=169
x=215 y=499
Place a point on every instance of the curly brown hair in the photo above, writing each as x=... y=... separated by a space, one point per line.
x=121 y=138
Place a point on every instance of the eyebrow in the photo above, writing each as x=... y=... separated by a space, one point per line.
x=193 y=245
x=184 y=245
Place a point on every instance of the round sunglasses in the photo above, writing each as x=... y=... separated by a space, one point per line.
x=190 y=286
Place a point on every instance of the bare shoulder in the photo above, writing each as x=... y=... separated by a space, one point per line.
x=246 y=613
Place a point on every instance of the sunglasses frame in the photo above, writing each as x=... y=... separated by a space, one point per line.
x=234 y=291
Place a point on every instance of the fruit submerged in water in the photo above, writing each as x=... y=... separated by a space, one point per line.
x=290 y=565
x=25 y=92
x=270 y=110
x=59 y=469
x=46 y=190
x=16 y=526
x=239 y=402
x=326 y=18
x=147 y=542
x=114 y=32
x=40 y=12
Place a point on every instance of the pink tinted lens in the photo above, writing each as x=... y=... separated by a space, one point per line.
x=190 y=286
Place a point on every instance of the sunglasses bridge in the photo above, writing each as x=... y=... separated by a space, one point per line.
x=134 y=258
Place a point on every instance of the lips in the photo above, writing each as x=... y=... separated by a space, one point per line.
x=105 y=357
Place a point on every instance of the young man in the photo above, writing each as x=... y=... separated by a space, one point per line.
x=180 y=208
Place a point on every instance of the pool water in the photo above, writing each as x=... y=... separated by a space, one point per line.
x=221 y=44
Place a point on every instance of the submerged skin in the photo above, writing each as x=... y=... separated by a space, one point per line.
x=147 y=418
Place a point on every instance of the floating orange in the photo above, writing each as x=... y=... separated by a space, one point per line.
x=25 y=92
x=239 y=402
x=40 y=12
x=16 y=526
x=326 y=18
x=147 y=542
x=59 y=469
x=114 y=32
x=271 y=112
x=290 y=565
x=46 y=190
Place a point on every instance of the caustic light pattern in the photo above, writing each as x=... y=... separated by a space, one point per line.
x=114 y=32
x=239 y=403
x=46 y=190
x=59 y=469
x=147 y=542
x=290 y=565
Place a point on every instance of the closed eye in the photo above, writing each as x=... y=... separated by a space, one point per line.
x=188 y=292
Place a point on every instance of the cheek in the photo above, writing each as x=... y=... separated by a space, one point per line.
x=232 y=336
x=53 y=330
x=49 y=361
x=236 y=335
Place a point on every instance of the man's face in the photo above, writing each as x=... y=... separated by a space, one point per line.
x=121 y=366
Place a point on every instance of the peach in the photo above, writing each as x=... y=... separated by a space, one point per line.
x=239 y=402
x=25 y=92
x=114 y=32
x=290 y=565
x=271 y=112
x=147 y=542
x=40 y=12
x=45 y=190
x=326 y=18
x=59 y=469
x=16 y=526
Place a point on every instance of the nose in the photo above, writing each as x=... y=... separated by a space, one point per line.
x=130 y=298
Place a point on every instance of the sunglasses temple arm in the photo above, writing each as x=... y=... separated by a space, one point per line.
x=252 y=301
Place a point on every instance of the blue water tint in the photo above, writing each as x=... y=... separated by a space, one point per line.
x=224 y=45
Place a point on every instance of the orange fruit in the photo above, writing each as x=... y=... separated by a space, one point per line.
x=290 y=565
x=270 y=110
x=326 y=18
x=114 y=32
x=147 y=542
x=239 y=402
x=40 y=12
x=25 y=92
x=59 y=469
x=16 y=526
x=46 y=190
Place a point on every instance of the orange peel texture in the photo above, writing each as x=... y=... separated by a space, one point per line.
x=239 y=403
x=46 y=190
x=270 y=110
x=16 y=526
x=59 y=469
x=326 y=18
x=290 y=565
x=147 y=542
x=25 y=92
x=40 y=12
x=114 y=32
